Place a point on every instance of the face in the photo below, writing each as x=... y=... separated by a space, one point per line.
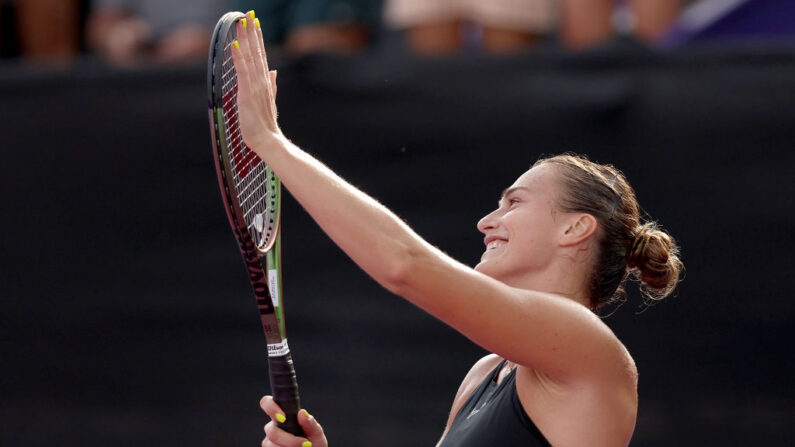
x=521 y=234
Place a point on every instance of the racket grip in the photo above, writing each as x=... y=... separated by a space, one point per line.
x=284 y=387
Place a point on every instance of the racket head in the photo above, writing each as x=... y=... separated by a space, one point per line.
x=251 y=190
x=252 y=197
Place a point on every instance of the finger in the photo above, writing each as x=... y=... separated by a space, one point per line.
x=312 y=429
x=268 y=443
x=273 y=82
x=258 y=47
x=257 y=63
x=255 y=46
x=262 y=56
x=270 y=407
x=279 y=437
x=246 y=71
x=240 y=66
x=260 y=42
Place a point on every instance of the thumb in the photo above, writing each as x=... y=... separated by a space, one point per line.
x=272 y=75
x=312 y=429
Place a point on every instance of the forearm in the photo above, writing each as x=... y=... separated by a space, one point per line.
x=371 y=235
x=491 y=313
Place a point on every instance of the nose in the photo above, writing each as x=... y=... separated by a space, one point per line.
x=488 y=222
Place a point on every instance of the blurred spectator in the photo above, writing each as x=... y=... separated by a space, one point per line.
x=653 y=18
x=306 y=26
x=587 y=23
x=153 y=31
x=441 y=26
x=22 y=33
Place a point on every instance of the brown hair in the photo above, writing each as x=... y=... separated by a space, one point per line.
x=626 y=246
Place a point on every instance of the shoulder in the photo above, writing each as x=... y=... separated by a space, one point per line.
x=476 y=374
x=474 y=377
x=626 y=378
x=615 y=397
x=479 y=371
x=618 y=368
x=605 y=401
x=482 y=368
x=566 y=341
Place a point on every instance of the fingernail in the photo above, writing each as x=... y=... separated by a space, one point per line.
x=280 y=417
x=236 y=45
x=245 y=24
x=256 y=21
x=275 y=74
x=251 y=13
x=306 y=444
x=306 y=413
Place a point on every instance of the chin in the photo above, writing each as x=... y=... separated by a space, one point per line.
x=483 y=267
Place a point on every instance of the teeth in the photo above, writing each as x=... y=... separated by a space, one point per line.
x=493 y=244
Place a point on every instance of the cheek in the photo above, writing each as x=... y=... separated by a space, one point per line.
x=536 y=237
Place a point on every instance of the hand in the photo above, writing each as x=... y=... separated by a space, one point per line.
x=276 y=437
x=256 y=87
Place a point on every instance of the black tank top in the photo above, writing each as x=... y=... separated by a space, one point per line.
x=493 y=416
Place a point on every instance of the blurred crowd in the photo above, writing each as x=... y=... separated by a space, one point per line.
x=131 y=32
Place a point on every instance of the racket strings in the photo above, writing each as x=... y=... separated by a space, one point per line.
x=254 y=183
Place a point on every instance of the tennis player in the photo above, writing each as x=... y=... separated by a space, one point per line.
x=564 y=238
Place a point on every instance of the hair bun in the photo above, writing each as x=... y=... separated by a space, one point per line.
x=655 y=257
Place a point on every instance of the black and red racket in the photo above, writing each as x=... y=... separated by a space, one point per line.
x=251 y=192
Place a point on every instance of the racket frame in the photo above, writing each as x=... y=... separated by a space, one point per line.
x=263 y=264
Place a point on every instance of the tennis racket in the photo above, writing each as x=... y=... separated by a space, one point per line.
x=251 y=193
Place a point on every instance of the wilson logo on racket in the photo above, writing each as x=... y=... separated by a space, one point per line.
x=255 y=273
x=241 y=157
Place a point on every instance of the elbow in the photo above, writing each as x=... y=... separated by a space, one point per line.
x=400 y=272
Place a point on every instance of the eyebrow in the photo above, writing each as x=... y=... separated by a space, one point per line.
x=512 y=189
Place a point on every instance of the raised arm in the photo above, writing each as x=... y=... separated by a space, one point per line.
x=565 y=336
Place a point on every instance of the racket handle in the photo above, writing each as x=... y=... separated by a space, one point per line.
x=285 y=391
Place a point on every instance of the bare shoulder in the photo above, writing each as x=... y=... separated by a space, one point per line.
x=609 y=360
x=614 y=375
x=620 y=370
x=629 y=368
x=615 y=397
x=476 y=374
x=605 y=401
x=484 y=365
x=618 y=388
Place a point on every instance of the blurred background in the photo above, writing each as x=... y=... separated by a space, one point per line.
x=126 y=317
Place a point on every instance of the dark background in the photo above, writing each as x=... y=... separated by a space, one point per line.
x=127 y=318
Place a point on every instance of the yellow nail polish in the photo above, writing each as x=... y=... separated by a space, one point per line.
x=280 y=417
x=256 y=22
x=306 y=413
x=275 y=75
x=306 y=444
x=251 y=13
x=235 y=44
x=245 y=24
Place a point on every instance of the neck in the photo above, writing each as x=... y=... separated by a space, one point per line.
x=565 y=278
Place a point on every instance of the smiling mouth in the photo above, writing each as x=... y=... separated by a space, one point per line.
x=494 y=244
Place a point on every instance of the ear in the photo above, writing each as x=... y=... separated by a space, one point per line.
x=580 y=227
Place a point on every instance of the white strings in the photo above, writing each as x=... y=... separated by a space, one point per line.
x=254 y=187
